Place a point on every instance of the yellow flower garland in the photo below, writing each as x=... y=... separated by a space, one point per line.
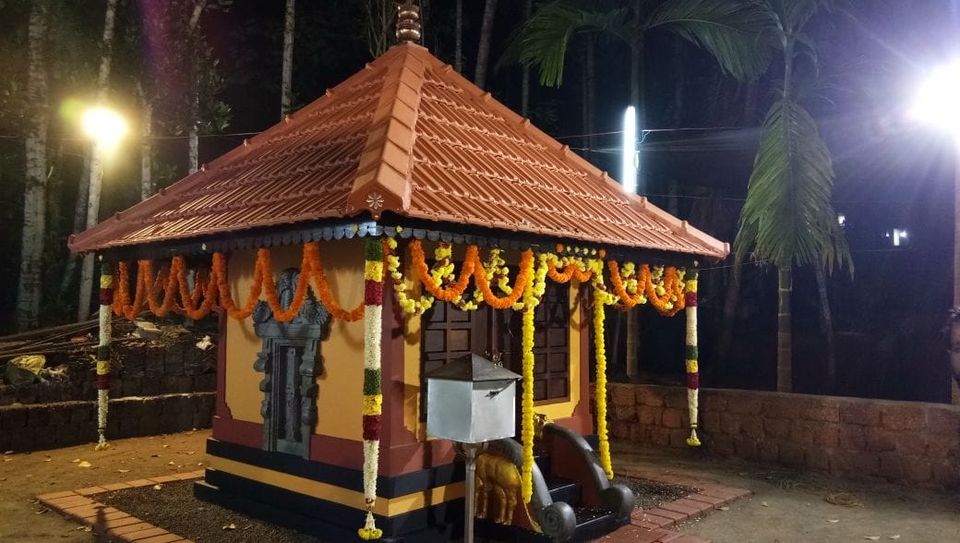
x=526 y=427
x=411 y=306
x=601 y=298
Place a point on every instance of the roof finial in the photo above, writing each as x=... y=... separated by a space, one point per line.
x=408 y=22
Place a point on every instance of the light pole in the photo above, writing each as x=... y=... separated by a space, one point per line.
x=629 y=166
x=938 y=103
x=105 y=128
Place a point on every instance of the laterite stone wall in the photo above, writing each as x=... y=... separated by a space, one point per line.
x=904 y=442
x=52 y=425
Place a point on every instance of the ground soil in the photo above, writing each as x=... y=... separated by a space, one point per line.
x=791 y=506
x=786 y=506
x=650 y=494
x=173 y=507
x=24 y=475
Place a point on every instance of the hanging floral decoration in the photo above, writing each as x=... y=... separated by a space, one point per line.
x=410 y=305
x=103 y=354
x=531 y=299
x=372 y=394
x=471 y=267
x=572 y=268
x=693 y=369
x=168 y=291
x=601 y=298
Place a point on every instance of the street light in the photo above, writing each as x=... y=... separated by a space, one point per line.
x=628 y=157
x=937 y=103
x=106 y=128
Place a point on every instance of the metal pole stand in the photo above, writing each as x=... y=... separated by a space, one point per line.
x=469 y=452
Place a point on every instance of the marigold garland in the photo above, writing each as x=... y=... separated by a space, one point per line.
x=601 y=298
x=411 y=306
x=526 y=398
x=531 y=299
x=573 y=268
x=664 y=289
x=445 y=294
x=215 y=289
x=471 y=267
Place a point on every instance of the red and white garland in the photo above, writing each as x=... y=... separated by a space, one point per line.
x=372 y=394
x=103 y=353
x=692 y=355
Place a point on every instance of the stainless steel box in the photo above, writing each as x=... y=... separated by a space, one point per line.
x=471 y=400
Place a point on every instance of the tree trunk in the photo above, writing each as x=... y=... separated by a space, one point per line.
x=826 y=325
x=96 y=165
x=458 y=40
x=784 y=330
x=636 y=63
x=193 y=132
x=525 y=81
x=637 y=70
x=29 y=289
x=730 y=301
x=146 y=145
x=589 y=95
x=286 y=93
x=483 y=50
x=79 y=221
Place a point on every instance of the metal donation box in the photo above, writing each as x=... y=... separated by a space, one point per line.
x=471 y=400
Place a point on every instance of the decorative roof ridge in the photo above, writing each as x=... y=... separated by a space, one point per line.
x=383 y=174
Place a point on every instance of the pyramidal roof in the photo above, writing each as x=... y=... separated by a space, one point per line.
x=409 y=135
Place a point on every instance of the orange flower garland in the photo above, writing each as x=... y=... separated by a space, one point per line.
x=524 y=276
x=570 y=271
x=670 y=301
x=453 y=291
x=628 y=300
x=216 y=289
x=472 y=267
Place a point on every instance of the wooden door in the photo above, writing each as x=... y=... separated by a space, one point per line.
x=551 y=344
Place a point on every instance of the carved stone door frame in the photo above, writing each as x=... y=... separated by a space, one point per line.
x=290 y=362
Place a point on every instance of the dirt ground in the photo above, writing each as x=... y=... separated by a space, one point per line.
x=790 y=506
x=786 y=507
x=24 y=475
x=175 y=508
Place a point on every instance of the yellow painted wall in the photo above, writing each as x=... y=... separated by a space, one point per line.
x=340 y=385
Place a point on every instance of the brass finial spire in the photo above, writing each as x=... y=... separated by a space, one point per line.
x=408 y=22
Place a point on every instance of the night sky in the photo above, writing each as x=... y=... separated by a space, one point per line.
x=891 y=173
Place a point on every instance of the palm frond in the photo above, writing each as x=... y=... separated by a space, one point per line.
x=542 y=41
x=788 y=218
x=736 y=32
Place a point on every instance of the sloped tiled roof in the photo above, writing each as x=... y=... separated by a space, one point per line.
x=406 y=134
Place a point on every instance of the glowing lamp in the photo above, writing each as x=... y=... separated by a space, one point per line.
x=937 y=100
x=104 y=126
x=629 y=158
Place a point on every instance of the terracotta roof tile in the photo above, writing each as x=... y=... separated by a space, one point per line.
x=409 y=135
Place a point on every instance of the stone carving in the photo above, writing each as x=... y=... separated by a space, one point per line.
x=290 y=361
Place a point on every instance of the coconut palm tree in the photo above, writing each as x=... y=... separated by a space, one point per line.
x=788 y=219
x=731 y=30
